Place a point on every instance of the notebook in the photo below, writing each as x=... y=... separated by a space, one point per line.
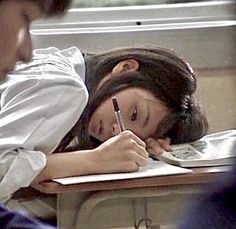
x=154 y=168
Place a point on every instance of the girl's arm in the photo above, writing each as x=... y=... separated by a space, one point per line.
x=36 y=114
x=122 y=153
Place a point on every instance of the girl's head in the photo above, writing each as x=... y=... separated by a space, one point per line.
x=151 y=84
x=141 y=110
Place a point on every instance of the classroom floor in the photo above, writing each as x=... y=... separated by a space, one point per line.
x=162 y=227
x=49 y=216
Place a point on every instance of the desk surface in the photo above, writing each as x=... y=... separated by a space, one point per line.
x=201 y=175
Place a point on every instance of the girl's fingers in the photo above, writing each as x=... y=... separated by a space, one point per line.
x=128 y=166
x=158 y=146
x=165 y=144
x=142 y=151
x=141 y=161
x=130 y=135
x=154 y=146
x=138 y=159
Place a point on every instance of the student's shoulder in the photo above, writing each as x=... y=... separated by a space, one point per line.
x=51 y=62
x=49 y=85
x=72 y=55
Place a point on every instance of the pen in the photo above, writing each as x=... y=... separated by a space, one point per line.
x=118 y=115
x=120 y=121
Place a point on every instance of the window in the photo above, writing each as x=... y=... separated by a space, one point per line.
x=197 y=30
x=114 y=3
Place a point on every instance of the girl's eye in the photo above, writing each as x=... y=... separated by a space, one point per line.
x=134 y=114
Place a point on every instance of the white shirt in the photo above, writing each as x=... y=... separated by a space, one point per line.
x=39 y=104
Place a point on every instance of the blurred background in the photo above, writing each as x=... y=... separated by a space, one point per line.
x=202 y=32
x=111 y=3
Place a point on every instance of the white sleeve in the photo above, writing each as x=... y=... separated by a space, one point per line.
x=35 y=115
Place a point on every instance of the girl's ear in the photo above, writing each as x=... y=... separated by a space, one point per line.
x=126 y=65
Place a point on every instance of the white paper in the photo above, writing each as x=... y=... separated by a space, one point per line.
x=154 y=168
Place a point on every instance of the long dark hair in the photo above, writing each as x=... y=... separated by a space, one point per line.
x=161 y=72
x=51 y=7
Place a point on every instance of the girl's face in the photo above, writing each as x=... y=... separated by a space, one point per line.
x=15 y=39
x=140 y=110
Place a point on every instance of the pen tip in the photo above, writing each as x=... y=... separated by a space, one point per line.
x=115 y=104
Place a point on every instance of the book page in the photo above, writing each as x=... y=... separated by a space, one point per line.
x=208 y=151
x=216 y=148
x=154 y=168
x=204 y=150
x=185 y=153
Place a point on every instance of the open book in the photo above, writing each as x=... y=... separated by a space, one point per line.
x=211 y=150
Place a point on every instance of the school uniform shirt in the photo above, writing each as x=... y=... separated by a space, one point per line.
x=39 y=104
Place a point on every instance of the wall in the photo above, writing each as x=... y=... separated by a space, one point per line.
x=203 y=33
x=216 y=92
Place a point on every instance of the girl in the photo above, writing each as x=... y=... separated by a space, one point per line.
x=45 y=106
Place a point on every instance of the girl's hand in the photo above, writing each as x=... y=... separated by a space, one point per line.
x=122 y=153
x=158 y=146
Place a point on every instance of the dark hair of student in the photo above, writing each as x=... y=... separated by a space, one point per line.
x=161 y=72
x=52 y=7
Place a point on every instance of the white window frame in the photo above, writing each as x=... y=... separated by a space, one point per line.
x=203 y=32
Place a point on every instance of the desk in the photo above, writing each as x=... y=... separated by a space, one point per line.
x=123 y=203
